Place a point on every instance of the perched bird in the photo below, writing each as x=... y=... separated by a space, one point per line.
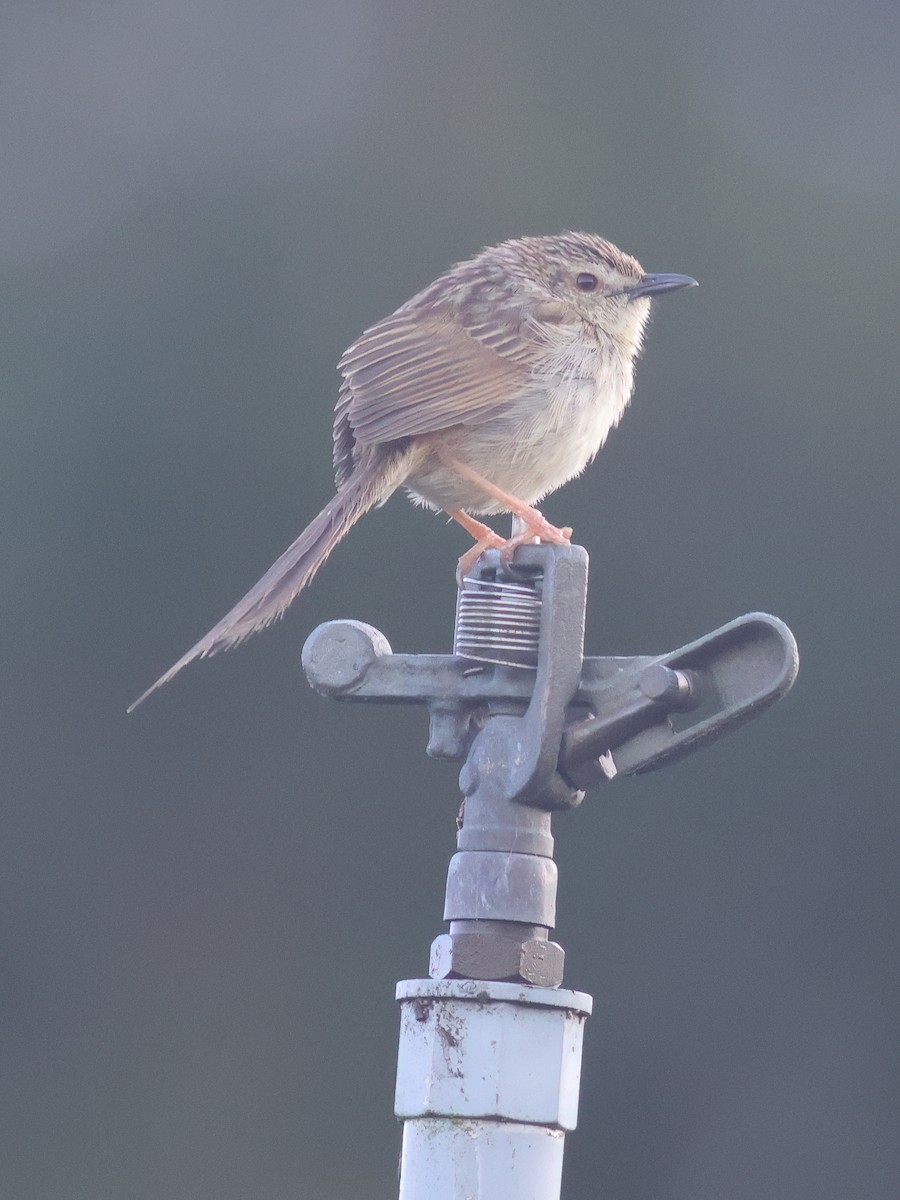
x=487 y=390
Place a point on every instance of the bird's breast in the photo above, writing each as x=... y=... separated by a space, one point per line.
x=538 y=440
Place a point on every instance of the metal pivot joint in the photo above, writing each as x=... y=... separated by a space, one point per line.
x=490 y=1045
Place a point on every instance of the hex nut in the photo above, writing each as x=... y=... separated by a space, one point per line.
x=493 y=956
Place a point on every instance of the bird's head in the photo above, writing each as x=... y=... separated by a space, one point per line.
x=580 y=275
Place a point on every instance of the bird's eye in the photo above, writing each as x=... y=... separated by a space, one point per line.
x=586 y=282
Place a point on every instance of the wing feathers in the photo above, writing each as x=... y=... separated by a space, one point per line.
x=415 y=373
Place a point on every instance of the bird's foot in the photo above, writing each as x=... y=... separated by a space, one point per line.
x=485 y=539
x=491 y=541
x=537 y=526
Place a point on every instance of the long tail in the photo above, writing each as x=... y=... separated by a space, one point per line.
x=371 y=483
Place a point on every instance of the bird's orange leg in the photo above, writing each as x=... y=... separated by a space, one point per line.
x=485 y=538
x=536 y=524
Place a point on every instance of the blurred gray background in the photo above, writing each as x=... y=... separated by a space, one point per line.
x=206 y=905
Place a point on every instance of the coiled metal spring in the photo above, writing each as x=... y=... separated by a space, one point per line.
x=498 y=621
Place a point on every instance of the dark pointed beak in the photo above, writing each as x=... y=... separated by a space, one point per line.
x=658 y=285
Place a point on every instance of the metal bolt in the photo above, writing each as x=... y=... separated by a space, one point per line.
x=670 y=688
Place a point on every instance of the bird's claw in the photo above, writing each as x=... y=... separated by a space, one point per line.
x=539 y=528
x=536 y=526
x=489 y=542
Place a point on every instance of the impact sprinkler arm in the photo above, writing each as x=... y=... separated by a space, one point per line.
x=730 y=675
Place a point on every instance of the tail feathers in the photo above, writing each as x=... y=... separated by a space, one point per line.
x=270 y=597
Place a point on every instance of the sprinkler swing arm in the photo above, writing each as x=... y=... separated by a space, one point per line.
x=615 y=708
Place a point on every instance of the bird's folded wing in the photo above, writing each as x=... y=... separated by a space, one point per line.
x=416 y=373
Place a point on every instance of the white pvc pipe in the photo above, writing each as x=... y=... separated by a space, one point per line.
x=487 y=1086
